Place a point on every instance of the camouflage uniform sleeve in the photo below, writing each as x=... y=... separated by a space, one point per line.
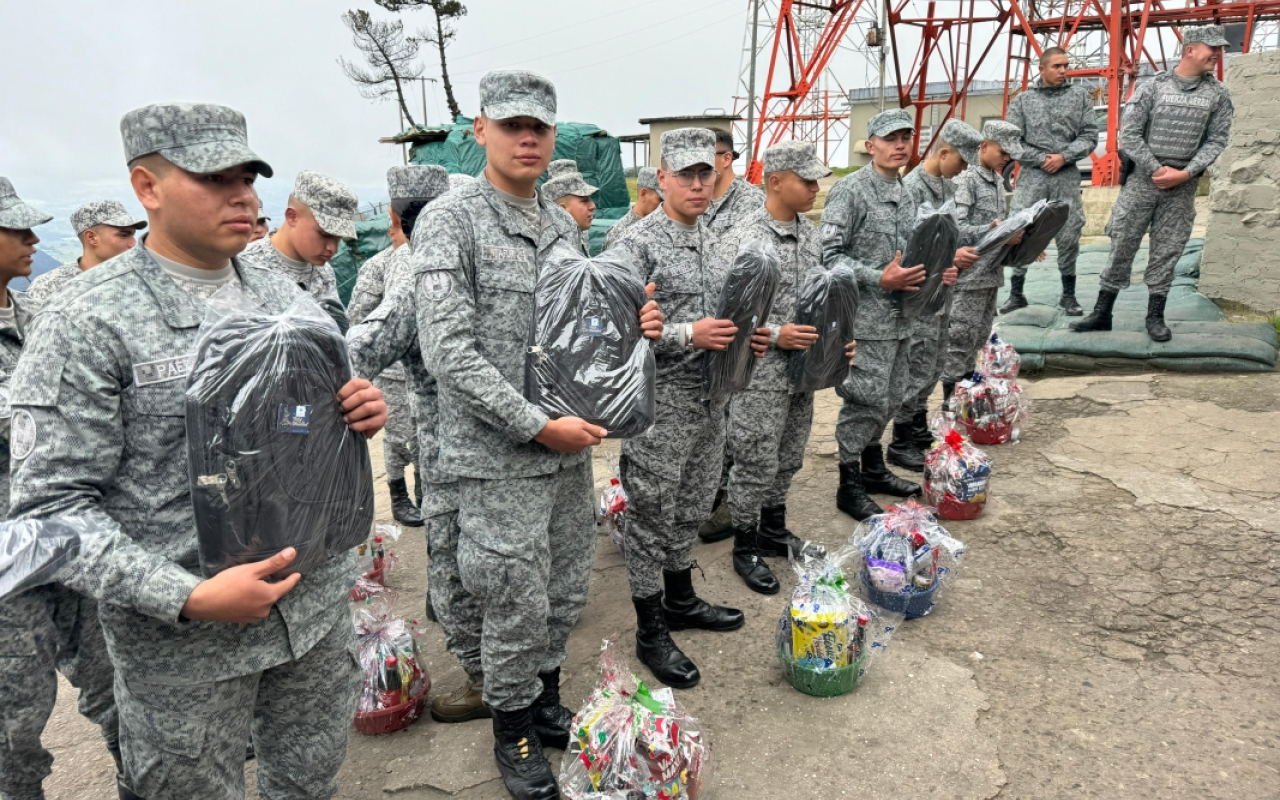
x=369 y=289
x=69 y=385
x=1215 y=140
x=1086 y=140
x=840 y=216
x=447 y=318
x=670 y=343
x=965 y=198
x=1030 y=153
x=388 y=332
x=1133 y=133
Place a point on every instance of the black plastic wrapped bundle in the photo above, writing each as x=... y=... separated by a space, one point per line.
x=273 y=464
x=1050 y=216
x=829 y=302
x=746 y=300
x=32 y=551
x=589 y=357
x=933 y=243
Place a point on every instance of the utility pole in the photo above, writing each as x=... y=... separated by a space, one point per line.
x=751 y=85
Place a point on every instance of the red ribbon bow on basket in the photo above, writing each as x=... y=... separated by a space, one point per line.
x=954 y=440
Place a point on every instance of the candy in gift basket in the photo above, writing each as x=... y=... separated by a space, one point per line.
x=612 y=508
x=827 y=637
x=992 y=410
x=374 y=559
x=909 y=560
x=956 y=474
x=998 y=358
x=395 y=676
x=631 y=743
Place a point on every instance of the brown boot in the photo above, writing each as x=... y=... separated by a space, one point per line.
x=461 y=705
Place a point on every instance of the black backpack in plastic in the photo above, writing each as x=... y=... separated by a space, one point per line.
x=829 y=302
x=272 y=463
x=746 y=299
x=933 y=243
x=1049 y=217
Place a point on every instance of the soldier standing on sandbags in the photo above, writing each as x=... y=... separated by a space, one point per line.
x=648 y=198
x=526 y=511
x=670 y=472
x=1058 y=129
x=1174 y=128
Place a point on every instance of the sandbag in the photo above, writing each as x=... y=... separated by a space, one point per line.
x=272 y=463
x=746 y=300
x=829 y=302
x=589 y=358
x=933 y=243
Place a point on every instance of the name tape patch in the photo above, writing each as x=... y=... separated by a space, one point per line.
x=491 y=252
x=162 y=371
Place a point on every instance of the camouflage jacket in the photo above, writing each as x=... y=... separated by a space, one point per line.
x=866 y=220
x=12 y=335
x=615 y=232
x=1054 y=119
x=321 y=285
x=741 y=199
x=475 y=265
x=370 y=288
x=980 y=201
x=1174 y=123
x=100 y=397
x=46 y=286
x=689 y=275
x=799 y=250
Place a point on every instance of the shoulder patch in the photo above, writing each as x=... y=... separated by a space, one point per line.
x=436 y=285
x=162 y=371
x=22 y=434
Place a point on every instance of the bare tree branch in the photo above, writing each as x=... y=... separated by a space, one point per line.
x=389 y=54
x=446 y=11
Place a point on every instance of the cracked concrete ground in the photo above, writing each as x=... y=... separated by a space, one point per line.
x=1113 y=635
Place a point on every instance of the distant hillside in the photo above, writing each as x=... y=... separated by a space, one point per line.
x=40 y=264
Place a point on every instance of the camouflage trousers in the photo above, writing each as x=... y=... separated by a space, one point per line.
x=184 y=741
x=873 y=393
x=42 y=629
x=670 y=474
x=972 y=314
x=768 y=432
x=928 y=356
x=1169 y=213
x=526 y=547
x=459 y=612
x=1035 y=185
x=400 y=436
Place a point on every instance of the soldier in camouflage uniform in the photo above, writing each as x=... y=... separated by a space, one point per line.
x=388 y=336
x=670 y=471
x=769 y=425
x=262 y=226
x=527 y=529
x=49 y=627
x=648 y=198
x=1175 y=127
x=321 y=213
x=866 y=223
x=400 y=437
x=1058 y=129
x=105 y=230
x=567 y=189
x=980 y=203
x=99 y=399
x=931 y=183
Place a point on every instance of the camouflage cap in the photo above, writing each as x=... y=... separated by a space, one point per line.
x=647 y=178
x=566 y=180
x=886 y=122
x=1212 y=35
x=199 y=137
x=508 y=93
x=334 y=206
x=684 y=147
x=15 y=214
x=262 y=212
x=457 y=179
x=797 y=157
x=1005 y=134
x=104 y=212
x=963 y=137
x=418 y=181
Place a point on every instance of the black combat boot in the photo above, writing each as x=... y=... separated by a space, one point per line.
x=1156 y=329
x=920 y=433
x=1016 y=299
x=718 y=527
x=774 y=539
x=1068 y=303
x=877 y=479
x=401 y=508
x=551 y=721
x=749 y=565
x=655 y=649
x=851 y=497
x=525 y=770
x=417 y=488
x=903 y=451
x=948 y=389
x=1100 y=319
x=684 y=609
